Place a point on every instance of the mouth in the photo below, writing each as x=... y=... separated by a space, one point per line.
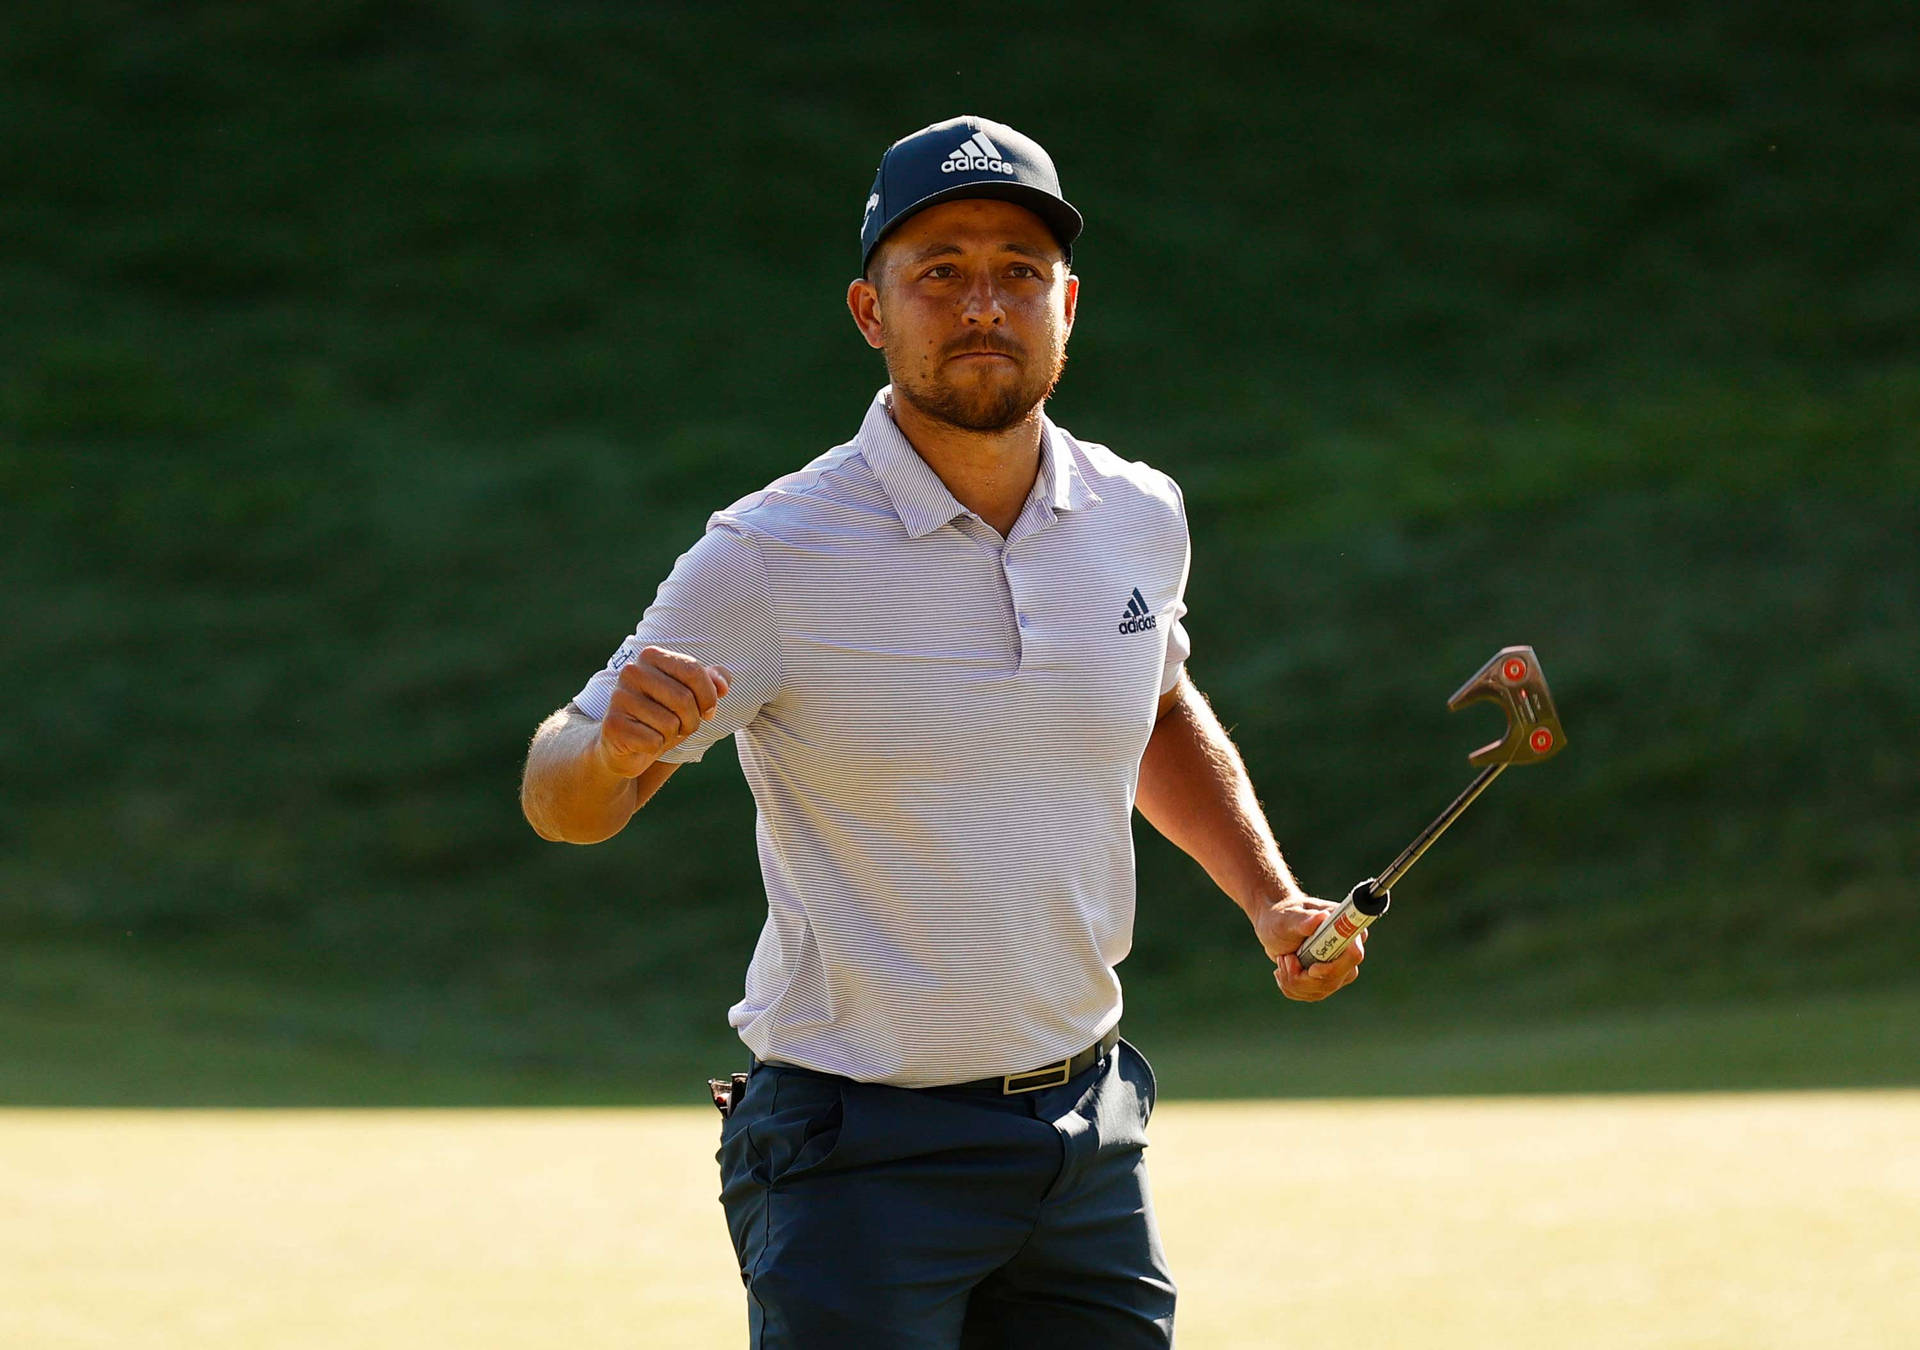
x=980 y=356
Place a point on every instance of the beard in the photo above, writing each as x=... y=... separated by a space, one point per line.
x=987 y=402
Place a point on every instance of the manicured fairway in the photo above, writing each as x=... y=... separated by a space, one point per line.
x=1738 y=1221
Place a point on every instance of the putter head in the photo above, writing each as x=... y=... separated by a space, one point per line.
x=1513 y=680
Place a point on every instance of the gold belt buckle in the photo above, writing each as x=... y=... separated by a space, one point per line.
x=1051 y=1076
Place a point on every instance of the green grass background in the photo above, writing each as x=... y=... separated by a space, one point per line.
x=363 y=367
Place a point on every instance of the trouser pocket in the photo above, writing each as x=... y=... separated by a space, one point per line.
x=787 y=1123
x=1149 y=1084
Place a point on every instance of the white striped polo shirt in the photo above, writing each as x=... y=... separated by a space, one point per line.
x=942 y=730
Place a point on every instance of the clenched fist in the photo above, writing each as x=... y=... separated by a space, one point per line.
x=662 y=699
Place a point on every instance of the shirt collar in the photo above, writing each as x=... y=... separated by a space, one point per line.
x=1066 y=488
x=923 y=502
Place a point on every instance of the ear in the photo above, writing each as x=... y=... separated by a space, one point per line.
x=1073 y=298
x=863 y=302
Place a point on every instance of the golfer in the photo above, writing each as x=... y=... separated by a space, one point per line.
x=951 y=656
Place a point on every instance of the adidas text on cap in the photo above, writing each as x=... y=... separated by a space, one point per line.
x=964 y=157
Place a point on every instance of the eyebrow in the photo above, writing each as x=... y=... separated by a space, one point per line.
x=953 y=250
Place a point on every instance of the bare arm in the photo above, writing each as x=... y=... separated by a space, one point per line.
x=584 y=778
x=1194 y=789
x=568 y=794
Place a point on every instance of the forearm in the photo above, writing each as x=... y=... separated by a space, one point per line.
x=567 y=791
x=1195 y=790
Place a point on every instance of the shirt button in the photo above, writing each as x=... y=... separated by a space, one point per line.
x=1025 y=622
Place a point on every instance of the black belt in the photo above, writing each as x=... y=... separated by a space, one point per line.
x=1006 y=1085
x=1046 y=1076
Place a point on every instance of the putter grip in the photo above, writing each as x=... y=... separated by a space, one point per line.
x=1362 y=906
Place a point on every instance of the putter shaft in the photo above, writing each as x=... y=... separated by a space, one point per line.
x=1367 y=901
x=1410 y=855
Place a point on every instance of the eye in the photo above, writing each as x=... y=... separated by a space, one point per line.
x=1024 y=270
x=941 y=271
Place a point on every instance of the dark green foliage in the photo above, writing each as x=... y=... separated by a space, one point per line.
x=364 y=366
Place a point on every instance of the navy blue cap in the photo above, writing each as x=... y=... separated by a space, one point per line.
x=965 y=157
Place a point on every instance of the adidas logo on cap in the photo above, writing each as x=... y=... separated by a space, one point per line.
x=976 y=154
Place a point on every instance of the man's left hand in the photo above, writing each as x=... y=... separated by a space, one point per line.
x=1282 y=925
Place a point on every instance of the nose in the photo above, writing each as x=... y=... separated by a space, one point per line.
x=984 y=307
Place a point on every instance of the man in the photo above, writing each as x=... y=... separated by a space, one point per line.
x=951 y=653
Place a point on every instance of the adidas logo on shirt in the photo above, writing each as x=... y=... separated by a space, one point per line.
x=974 y=155
x=1139 y=618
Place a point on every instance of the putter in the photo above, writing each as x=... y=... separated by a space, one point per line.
x=1513 y=680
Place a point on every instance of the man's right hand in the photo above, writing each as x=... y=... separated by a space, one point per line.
x=662 y=699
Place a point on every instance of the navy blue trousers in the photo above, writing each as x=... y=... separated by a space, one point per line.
x=874 y=1216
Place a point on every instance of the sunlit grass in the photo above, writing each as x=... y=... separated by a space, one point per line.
x=1736 y=1221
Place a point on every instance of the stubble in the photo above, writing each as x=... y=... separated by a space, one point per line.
x=985 y=406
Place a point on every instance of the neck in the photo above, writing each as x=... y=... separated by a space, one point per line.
x=991 y=473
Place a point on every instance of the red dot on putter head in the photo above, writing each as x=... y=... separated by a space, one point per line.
x=1516 y=669
x=1541 y=740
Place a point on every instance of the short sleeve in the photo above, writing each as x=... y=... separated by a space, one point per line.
x=717 y=607
x=1179 y=645
x=1179 y=648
